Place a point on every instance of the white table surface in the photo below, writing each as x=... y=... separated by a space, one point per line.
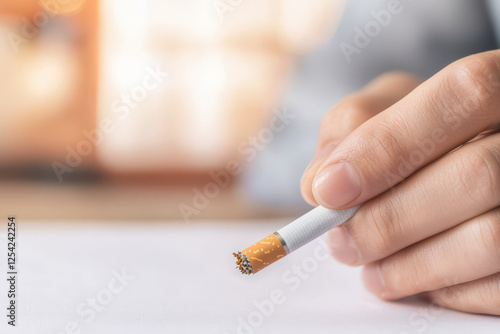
x=185 y=281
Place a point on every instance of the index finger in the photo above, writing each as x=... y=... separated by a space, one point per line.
x=444 y=112
x=351 y=112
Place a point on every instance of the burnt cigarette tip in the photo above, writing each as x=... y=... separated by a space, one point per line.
x=243 y=263
x=260 y=255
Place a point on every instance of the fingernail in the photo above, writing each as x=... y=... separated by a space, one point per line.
x=342 y=246
x=373 y=280
x=337 y=185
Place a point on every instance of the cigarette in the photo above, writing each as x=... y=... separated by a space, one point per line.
x=290 y=238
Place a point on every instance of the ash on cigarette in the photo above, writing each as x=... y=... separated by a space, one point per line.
x=243 y=263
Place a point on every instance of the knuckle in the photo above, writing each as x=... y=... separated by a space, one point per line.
x=447 y=296
x=398 y=76
x=413 y=273
x=442 y=298
x=385 y=228
x=479 y=172
x=347 y=111
x=343 y=118
x=488 y=294
x=470 y=82
x=386 y=142
x=488 y=234
x=421 y=271
x=354 y=103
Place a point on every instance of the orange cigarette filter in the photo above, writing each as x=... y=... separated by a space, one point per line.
x=260 y=255
x=291 y=237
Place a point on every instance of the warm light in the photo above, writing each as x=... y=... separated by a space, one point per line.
x=63 y=7
x=225 y=75
x=48 y=82
x=206 y=132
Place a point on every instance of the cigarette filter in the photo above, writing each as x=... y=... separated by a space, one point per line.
x=290 y=238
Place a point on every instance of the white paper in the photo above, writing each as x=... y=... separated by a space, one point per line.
x=185 y=281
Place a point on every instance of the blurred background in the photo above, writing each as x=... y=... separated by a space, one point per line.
x=193 y=109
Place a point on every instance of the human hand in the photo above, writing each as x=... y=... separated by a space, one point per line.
x=425 y=159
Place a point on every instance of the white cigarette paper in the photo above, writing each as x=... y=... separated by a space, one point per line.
x=290 y=238
x=313 y=224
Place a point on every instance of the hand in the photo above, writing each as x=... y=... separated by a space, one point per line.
x=425 y=159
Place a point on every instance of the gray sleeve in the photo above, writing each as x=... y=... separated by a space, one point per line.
x=494 y=11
